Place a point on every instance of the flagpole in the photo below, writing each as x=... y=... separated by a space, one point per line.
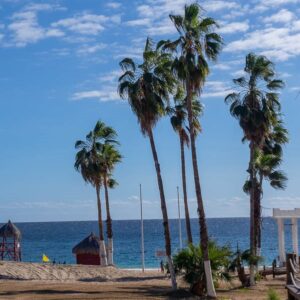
x=179 y=220
x=142 y=231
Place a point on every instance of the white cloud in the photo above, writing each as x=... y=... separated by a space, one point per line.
x=139 y=22
x=86 y=24
x=278 y=43
x=134 y=51
x=212 y=6
x=215 y=89
x=264 y=5
x=284 y=75
x=111 y=77
x=155 y=15
x=108 y=83
x=283 y=16
x=234 y=27
x=222 y=66
x=25 y=29
x=238 y=73
x=43 y=7
x=227 y=65
x=113 y=5
x=295 y=89
x=108 y=93
x=49 y=204
x=163 y=27
x=90 y=49
x=286 y=202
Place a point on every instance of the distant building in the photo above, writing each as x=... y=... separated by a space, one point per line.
x=10 y=242
x=88 y=251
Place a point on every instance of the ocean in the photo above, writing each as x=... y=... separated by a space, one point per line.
x=56 y=239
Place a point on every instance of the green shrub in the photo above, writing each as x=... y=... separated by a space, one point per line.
x=189 y=263
x=272 y=295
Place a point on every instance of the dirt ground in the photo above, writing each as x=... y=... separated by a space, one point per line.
x=141 y=288
x=32 y=281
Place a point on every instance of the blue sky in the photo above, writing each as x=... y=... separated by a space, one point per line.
x=58 y=73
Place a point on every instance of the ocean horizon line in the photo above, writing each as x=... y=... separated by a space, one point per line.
x=145 y=219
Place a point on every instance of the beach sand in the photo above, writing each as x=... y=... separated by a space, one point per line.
x=45 y=281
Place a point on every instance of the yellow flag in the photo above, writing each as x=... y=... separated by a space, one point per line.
x=45 y=258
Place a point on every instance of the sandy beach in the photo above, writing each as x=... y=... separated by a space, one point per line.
x=47 y=281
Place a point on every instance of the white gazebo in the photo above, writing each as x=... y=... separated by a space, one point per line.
x=280 y=215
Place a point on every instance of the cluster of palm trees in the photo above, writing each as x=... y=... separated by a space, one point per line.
x=177 y=68
x=256 y=105
x=168 y=81
x=95 y=160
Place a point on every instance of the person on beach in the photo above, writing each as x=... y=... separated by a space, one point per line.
x=162 y=269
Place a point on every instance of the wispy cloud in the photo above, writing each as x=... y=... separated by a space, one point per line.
x=234 y=27
x=282 y=16
x=103 y=95
x=154 y=15
x=87 y=24
x=25 y=29
x=213 y=6
x=264 y=5
x=114 y=5
x=278 y=43
x=216 y=89
x=107 y=90
x=90 y=49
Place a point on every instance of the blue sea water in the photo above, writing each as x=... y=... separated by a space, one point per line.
x=56 y=239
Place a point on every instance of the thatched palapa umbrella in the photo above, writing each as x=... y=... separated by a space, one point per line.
x=87 y=251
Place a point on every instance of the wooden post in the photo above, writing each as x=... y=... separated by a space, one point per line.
x=142 y=231
x=289 y=268
x=273 y=268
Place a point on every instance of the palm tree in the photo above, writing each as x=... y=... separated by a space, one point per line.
x=109 y=157
x=147 y=87
x=178 y=121
x=268 y=159
x=197 y=43
x=87 y=162
x=256 y=106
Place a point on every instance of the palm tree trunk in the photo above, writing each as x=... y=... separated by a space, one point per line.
x=103 y=257
x=252 y=213
x=259 y=215
x=108 y=225
x=202 y=220
x=186 y=207
x=164 y=210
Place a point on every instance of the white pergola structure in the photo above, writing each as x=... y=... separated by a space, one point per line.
x=280 y=215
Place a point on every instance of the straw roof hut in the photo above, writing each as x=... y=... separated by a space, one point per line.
x=10 y=248
x=10 y=230
x=88 y=251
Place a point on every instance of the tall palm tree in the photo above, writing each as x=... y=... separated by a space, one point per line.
x=256 y=106
x=109 y=157
x=147 y=87
x=196 y=44
x=87 y=162
x=178 y=121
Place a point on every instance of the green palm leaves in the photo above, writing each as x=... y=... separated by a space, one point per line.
x=88 y=160
x=196 y=44
x=147 y=85
x=256 y=105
